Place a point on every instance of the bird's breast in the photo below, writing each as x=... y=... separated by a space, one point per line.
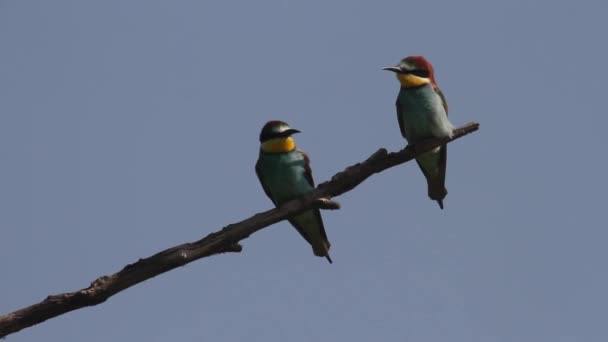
x=422 y=113
x=284 y=175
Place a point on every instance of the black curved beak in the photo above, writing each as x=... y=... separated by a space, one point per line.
x=393 y=69
x=289 y=132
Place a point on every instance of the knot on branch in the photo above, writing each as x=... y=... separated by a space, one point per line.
x=234 y=247
x=100 y=281
x=381 y=153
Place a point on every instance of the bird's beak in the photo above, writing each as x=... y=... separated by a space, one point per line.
x=289 y=132
x=396 y=69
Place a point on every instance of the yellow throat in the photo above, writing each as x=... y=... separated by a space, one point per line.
x=279 y=145
x=412 y=81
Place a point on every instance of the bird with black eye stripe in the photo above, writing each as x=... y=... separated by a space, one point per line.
x=422 y=113
x=284 y=172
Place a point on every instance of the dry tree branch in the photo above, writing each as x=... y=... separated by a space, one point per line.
x=225 y=240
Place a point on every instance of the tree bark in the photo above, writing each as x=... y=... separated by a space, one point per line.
x=222 y=241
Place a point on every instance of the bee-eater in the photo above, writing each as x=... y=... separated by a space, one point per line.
x=284 y=172
x=422 y=113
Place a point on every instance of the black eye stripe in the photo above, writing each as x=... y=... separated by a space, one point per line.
x=420 y=73
x=271 y=135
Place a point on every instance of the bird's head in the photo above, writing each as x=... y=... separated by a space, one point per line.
x=276 y=137
x=413 y=71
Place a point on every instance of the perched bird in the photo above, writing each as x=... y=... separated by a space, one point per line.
x=284 y=172
x=423 y=113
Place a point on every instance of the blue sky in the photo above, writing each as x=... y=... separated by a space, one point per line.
x=130 y=126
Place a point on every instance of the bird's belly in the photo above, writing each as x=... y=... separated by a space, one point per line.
x=422 y=125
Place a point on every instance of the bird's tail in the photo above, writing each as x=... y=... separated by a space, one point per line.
x=437 y=191
x=322 y=250
x=433 y=166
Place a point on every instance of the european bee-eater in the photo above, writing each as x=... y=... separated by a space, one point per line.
x=423 y=113
x=285 y=174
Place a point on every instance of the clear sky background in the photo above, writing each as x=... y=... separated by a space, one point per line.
x=130 y=126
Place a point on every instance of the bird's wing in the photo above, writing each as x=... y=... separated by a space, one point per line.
x=258 y=171
x=307 y=169
x=317 y=213
x=443 y=152
x=443 y=101
x=400 y=119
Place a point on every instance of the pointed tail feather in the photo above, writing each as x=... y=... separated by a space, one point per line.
x=433 y=165
x=437 y=191
x=440 y=202
x=322 y=250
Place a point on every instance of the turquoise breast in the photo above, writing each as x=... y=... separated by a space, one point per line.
x=422 y=113
x=284 y=175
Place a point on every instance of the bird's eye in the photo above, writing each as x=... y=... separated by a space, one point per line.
x=421 y=73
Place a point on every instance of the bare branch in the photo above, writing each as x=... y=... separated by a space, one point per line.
x=223 y=241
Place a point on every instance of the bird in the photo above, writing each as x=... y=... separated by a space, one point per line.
x=422 y=112
x=284 y=172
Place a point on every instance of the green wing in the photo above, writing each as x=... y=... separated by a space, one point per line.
x=307 y=169
x=443 y=153
x=315 y=212
x=399 y=118
x=443 y=101
x=258 y=171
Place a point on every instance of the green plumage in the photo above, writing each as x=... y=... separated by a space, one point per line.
x=285 y=176
x=422 y=114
